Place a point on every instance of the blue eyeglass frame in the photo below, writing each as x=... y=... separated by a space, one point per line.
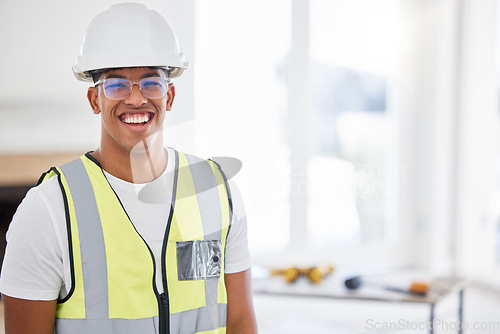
x=132 y=83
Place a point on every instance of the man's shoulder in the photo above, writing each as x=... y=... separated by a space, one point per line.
x=38 y=206
x=49 y=188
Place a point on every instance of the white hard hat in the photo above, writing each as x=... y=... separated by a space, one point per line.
x=129 y=35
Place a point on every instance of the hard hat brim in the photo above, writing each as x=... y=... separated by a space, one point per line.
x=173 y=72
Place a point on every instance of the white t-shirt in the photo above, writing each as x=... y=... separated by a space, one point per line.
x=36 y=265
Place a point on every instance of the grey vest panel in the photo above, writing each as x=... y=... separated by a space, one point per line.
x=208 y=197
x=98 y=326
x=198 y=320
x=93 y=253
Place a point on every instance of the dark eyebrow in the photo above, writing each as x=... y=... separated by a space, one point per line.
x=150 y=75
x=115 y=76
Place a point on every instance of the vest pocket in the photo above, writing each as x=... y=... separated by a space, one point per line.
x=198 y=259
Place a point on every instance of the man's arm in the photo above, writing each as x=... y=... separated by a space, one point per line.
x=240 y=314
x=29 y=316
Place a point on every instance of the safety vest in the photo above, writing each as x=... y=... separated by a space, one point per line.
x=113 y=269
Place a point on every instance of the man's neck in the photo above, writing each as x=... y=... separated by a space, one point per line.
x=141 y=165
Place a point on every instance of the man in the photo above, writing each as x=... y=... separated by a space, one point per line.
x=132 y=237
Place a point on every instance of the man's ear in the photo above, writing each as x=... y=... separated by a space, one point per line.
x=93 y=97
x=170 y=96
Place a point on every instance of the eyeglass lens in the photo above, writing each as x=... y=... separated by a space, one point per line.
x=152 y=88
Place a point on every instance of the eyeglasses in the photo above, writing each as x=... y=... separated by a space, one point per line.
x=119 y=89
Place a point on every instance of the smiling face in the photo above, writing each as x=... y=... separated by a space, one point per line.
x=133 y=119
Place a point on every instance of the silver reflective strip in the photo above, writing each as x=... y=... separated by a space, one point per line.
x=210 y=318
x=199 y=320
x=93 y=253
x=122 y=326
x=207 y=194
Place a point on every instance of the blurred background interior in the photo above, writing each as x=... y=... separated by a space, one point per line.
x=368 y=131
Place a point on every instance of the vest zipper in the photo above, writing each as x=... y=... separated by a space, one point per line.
x=165 y=324
x=165 y=320
x=163 y=314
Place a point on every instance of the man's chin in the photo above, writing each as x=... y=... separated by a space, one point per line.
x=147 y=143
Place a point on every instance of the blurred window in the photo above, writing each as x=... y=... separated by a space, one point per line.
x=354 y=53
x=241 y=105
x=242 y=110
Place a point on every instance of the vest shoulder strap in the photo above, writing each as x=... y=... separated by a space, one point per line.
x=47 y=175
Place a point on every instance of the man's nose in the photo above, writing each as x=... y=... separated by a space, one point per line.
x=135 y=97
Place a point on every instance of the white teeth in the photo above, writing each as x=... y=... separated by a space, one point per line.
x=136 y=120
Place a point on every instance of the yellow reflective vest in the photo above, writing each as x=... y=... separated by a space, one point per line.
x=113 y=269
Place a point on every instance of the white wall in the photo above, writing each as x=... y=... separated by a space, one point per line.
x=449 y=134
x=427 y=128
x=477 y=140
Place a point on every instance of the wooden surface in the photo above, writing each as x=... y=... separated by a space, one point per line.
x=333 y=287
x=25 y=169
